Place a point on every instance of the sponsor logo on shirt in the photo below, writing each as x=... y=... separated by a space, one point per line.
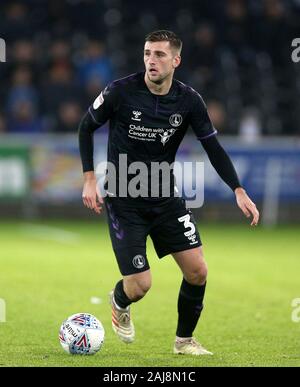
x=150 y=134
x=165 y=137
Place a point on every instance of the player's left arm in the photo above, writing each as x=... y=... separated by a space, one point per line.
x=224 y=167
x=247 y=205
x=206 y=133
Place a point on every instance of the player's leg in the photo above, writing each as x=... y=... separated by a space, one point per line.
x=130 y=289
x=128 y=232
x=137 y=285
x=190 y=300
x=175 y=232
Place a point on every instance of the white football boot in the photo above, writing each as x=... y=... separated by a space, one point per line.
x=121 y=321
x=189 y=346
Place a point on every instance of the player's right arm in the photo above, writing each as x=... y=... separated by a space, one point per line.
x=98 y=113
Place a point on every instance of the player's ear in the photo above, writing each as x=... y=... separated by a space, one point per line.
x=176 y=61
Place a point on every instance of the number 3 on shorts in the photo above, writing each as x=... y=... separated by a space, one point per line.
x=187 y=224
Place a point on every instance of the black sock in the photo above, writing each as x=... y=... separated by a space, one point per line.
x=120 y=296
x=190 y=305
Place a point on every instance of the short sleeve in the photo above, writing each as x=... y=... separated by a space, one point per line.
x=199 y=118
x=105 y=105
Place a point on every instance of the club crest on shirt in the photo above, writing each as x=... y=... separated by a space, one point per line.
x=175 y=120
x=139 y=261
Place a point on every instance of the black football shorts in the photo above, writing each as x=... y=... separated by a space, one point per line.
x=170 y=225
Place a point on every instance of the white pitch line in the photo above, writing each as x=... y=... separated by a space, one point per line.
x=50 y=233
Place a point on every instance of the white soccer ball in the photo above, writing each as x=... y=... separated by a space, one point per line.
x=82 y=334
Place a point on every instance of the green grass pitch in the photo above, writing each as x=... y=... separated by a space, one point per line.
x=50 y=270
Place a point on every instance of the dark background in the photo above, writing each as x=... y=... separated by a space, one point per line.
x=236 y=53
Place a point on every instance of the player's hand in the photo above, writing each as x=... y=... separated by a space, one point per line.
x=247 y=205
x=91 y=196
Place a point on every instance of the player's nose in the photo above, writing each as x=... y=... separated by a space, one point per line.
x=152 y=60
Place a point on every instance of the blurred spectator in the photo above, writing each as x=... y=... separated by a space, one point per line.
x=69 y=116
x=92 y=90
x=217 y=115
x=23 y=52
x=203 y=58
x=16 y=24
x=95 y=64
x=205 y=45
x=60 y=51
x=250 y=129
x=22 y=89
x=59 y=86
x=2 y=123
x=274 y=36
x=24 y=118
x=236 y=24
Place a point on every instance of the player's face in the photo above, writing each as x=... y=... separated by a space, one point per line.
x=160 y=61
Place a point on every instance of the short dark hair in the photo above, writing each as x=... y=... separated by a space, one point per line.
x=165 y=35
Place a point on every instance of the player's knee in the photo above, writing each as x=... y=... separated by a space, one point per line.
x=141 y=291
x=137 y=289
x=198 y=275
x=138 y=292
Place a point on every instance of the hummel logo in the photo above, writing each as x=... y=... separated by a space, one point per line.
x=136 y=115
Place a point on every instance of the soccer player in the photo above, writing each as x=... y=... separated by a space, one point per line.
x=149 y=113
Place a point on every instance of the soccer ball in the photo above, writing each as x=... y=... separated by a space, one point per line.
x=82 y=334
